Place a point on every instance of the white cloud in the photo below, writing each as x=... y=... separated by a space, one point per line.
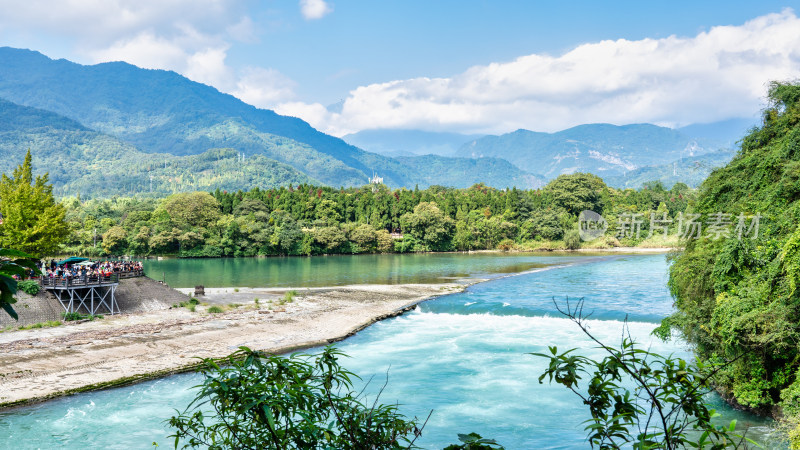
x=718 y=74
x=314 y=9
x=264 y=88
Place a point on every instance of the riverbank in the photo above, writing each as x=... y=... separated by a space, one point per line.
x=40 y=364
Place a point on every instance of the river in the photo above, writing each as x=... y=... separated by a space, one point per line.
x=465 y=356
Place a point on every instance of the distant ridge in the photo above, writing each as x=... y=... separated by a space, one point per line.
x=602 y=149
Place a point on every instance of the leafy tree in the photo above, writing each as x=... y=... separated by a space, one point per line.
x=578 y=192
x=32 y=221
x=329 y=237
x=287 y=235
x=364 y=235
x=255 y=401
x=165 y=241
x=429 y=225
x=250 y=206
x=191 y=210
x=666 y=407
x=543 y=224
x=114 y=240
x=385 y=241
x=572 y=240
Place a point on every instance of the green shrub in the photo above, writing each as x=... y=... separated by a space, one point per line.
x=72 y=316
x=572 y=239
x=506 y=245
x=288 y=297
x=29 y=287
x=215 y=309
x=311 y=402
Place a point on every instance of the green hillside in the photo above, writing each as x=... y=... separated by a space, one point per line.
x=82 y=161
x=161 y=112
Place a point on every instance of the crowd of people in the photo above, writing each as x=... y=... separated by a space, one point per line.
x=89 y=269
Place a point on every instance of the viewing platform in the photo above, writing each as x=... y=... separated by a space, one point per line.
x=90 y=294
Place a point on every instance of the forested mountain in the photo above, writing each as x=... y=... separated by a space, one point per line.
x=158 y=111
x=82 y=161
x=162 y=112
x=602 y=149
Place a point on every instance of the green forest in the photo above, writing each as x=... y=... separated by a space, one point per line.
x=309 y=220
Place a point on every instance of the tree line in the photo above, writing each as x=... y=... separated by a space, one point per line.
x=309 y=220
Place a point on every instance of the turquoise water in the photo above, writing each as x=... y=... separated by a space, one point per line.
x=338 y=270
x=462 y=355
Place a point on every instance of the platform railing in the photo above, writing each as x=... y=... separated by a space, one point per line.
x=131 y=273
x=79 y=281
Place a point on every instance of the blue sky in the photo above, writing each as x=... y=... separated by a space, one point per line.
x=468 y=66
x=371 y=42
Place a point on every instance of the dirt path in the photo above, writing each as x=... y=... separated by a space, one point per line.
x=44 y=363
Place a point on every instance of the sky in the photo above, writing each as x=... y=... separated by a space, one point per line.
x=469 y=66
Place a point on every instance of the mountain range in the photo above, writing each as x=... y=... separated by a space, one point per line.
x=114 y=128
x=603 y=149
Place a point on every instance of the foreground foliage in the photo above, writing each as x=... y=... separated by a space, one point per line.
x=739 y=298
x=13 y=263
x=665 y=408
x=255 y=401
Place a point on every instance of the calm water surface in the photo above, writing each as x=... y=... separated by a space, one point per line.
x=464 y=355
x=339 y=270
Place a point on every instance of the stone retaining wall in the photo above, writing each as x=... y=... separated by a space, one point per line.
x=42 y=307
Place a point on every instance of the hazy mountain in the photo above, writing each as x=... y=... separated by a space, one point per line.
x=409 y=142
x=83 y=161
x=602 y=149
x=722 y=134
x=690 y=170
x=464 y=172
